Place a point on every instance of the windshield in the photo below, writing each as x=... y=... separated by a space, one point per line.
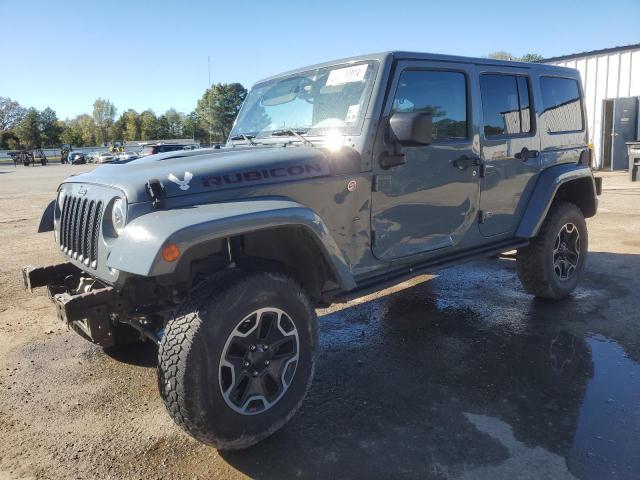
x=314 y=102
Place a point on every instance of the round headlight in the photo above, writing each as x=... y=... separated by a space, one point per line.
x=119 y=215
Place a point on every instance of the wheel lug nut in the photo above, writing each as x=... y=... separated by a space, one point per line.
x=266 y=363
x=265 y=347
x=252 y=348
x=245 y=364
x=255 y=373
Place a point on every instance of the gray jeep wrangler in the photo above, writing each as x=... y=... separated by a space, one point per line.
x=337 y=180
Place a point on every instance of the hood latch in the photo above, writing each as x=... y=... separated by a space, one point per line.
x=155 y=189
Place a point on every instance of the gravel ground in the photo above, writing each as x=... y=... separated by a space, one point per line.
x=460 y=375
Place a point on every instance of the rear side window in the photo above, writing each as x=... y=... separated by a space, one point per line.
x=505 y=104
x=442 y=94
x=561 y=104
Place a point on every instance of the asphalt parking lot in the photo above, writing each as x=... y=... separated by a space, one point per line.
x=460 y=375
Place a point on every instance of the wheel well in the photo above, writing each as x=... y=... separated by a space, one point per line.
x=291 y=250
x=294 y=251
x=581 y=193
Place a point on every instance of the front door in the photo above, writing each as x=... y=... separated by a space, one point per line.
x=430 y=201
x=625 y=111
x=510 y=147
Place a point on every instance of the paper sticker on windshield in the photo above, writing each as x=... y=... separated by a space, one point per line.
x=341 y=76
x=352 y=113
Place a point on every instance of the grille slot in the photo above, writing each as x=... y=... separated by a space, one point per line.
x=80 y=229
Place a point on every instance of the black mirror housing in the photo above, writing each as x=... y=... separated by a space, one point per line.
x=411 y=128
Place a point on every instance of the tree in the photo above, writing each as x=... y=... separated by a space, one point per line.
x=50 y=129
x=148 y=125
x=218 y=108
x=502 y=55
x=117 y=131
x=527 y=57
x=531 y=57
x=11 y=113
x=175 y=123
x=191 y=127
x=104 y=113
x=72 y=133
x=87 y=129
x=162 y=131
x=28 y=130
x=131 y=125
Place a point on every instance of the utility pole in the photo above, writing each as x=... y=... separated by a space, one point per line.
x=209 y=88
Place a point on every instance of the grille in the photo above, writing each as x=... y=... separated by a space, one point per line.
x=79 y=229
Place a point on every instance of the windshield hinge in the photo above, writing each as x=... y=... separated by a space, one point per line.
x=155 y=189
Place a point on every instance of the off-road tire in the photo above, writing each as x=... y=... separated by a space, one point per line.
x=535 y=261
x=190 y=355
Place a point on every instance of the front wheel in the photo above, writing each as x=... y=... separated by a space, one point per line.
x=238 y=357
x=552 y=264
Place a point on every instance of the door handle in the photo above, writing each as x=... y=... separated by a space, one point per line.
x=465 y=162
x=525 y=154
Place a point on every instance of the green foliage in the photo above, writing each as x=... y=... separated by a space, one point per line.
x=531 y=57
x=72 y=133
x=215 y=114
x=527 y=57
x=28 y=130
x=50 y=128
x=131 y=125
x=174 y=123
x=11 y=113
x=148 y=125
x=218 y=108
x=501 y=55
x=104 y=112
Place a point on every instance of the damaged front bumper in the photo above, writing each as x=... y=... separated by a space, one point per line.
x=88 y=313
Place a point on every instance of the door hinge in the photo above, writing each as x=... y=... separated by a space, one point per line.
x=380 y=183
x=373 y=238
x=482 y=169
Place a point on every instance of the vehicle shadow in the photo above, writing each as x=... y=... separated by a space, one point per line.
x=143 y=354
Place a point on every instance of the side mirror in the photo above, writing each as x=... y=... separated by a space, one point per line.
x=411 y=128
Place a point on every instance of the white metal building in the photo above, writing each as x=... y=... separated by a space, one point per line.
x=607 y=75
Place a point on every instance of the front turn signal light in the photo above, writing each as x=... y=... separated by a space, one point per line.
x=170 y=252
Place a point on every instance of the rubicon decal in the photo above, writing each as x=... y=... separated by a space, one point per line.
x=276 y=173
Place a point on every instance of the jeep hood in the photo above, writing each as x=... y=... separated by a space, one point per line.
x=209 y=170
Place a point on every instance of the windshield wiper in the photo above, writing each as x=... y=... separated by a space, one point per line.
x=242 y=136
x=285 y=132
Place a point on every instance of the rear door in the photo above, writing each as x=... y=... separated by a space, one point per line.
x=431 y=200
x=510 y=147
x=624 y=130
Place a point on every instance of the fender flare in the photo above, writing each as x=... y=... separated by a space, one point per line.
x=549 y=182
x=46 y=219
x=138 y=249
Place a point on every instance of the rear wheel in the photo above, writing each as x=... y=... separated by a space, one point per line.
x=236 y=361
x=552 y=264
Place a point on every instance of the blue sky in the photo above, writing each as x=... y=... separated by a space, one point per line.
x=153 y=54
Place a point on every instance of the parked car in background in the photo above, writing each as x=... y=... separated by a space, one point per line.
x=125 y=156
x=154 y=148
x=103 y=157
x=76 y=158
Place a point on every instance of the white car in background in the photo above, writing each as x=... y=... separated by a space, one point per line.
x=103 y=157
x=125 y=156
